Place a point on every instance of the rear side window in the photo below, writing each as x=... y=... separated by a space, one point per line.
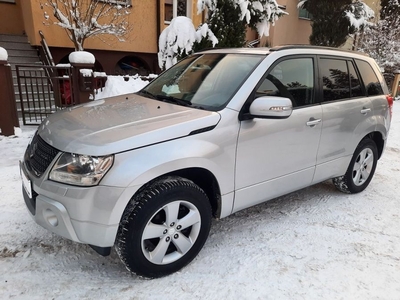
x=355 y=83
x=335 y=77
x=370 y=79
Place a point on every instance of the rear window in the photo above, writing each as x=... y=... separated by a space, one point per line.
x=369 y=78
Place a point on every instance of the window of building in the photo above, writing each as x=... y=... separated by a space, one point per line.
x=122 y=2
x=293 y=79
x=175 y=8
x=370 y=79
x=335 y=78
x=304 y=14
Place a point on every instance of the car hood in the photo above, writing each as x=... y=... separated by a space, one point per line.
x=121 y=123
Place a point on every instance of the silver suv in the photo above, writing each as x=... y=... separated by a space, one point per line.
x=220 y=131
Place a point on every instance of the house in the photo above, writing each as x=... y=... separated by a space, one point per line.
x=148 y=18
x=138 y=54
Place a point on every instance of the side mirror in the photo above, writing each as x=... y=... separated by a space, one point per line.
x=271 y=108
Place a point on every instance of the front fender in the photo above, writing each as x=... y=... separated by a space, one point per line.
x=213 y=151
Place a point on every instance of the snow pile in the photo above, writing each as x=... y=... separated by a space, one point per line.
x=81 y=57
x=178 y=38
x=120 y=85
x=3 y=54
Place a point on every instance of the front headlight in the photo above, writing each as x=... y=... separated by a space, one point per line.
x=81 y=170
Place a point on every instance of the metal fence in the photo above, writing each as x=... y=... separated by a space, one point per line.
x=42 y=91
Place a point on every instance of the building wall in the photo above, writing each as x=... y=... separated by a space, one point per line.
x=11 y=18
x=142 y=38
x=290 y=29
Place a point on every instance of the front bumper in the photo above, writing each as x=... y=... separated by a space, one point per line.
x=88 y=215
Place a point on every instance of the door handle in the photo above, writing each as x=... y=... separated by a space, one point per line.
x=364 y=111
x=313 y=122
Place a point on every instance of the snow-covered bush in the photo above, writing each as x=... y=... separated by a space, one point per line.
x=178 y=38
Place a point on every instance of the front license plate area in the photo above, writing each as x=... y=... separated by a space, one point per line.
x=26 y=183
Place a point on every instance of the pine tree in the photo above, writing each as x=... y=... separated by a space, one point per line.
x=330 y=26
x=225 y=22
x=334 y=21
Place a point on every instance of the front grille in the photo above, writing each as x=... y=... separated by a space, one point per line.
x=39 y=155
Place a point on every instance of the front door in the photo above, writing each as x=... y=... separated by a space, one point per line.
x=277 y=156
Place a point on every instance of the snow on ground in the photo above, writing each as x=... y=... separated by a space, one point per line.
x=316 y=243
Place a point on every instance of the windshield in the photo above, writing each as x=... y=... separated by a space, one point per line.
x=205 y=81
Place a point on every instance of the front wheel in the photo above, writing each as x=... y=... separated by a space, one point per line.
x=361 y=168
x=164 y=227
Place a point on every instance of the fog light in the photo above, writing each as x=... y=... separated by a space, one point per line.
x=50 y=217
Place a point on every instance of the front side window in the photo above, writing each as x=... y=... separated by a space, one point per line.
x=293 y=79
x=335 y=79
x=370 y=79
x=206 y=81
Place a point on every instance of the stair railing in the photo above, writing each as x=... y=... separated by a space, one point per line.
x=47 y=54
x=51 y=73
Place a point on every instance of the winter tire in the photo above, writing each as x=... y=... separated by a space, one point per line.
x=164 y=227
x=361 y=168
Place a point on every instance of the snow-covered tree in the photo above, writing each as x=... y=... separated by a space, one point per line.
x=334 y=21
x=259 y=14
x=178 y=39
x=224 y=20
x=382 y=39
x=83 y=19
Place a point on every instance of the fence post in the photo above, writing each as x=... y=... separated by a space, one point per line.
x=82 y=85
x=8 y=108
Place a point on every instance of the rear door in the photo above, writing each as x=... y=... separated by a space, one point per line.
x=346 y=115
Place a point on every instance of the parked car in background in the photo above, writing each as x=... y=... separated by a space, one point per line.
x=220 y=131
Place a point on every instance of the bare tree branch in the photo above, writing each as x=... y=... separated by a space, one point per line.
x=83 y=19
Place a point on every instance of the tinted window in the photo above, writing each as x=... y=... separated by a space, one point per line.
x=370 y=79
x=355 y=84
x=335 y=77
x=293 y=79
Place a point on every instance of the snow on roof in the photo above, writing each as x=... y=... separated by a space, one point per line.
x=3 y=54
x=82 y=57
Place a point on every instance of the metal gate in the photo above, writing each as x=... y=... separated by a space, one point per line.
x=42 y=91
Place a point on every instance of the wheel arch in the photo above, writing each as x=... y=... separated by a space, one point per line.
x=202 y=177
x=377 y=137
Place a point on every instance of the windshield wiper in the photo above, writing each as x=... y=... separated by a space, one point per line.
x=174 y=100
x=169 y=99
x=146 y=93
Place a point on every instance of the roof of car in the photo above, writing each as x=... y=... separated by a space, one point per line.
x=304 y=48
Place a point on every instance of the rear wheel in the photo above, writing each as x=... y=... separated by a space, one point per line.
x=361 y=168
x=164 y=227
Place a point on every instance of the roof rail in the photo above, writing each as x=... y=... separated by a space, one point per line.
x=303 y=46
